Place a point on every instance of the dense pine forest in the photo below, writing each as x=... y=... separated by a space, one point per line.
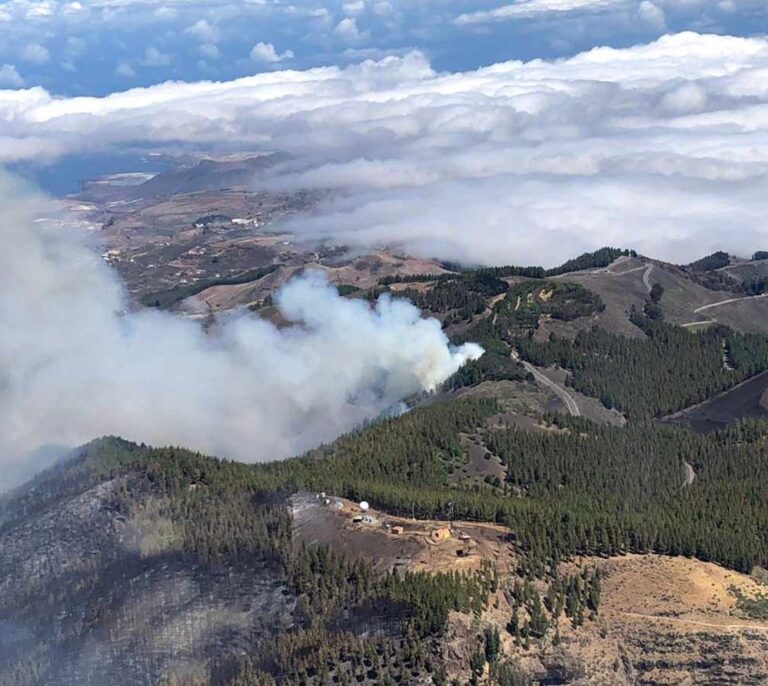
x=670 y=369
x=667 y=369
x=573 y=488
x=577 y=489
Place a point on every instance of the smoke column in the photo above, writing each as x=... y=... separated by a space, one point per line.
x=75 y=365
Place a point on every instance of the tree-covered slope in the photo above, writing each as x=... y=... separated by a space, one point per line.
x=129 y=564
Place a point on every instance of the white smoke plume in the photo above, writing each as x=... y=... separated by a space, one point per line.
x=75 y=365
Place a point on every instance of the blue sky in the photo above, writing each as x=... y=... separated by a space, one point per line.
x=81 y=47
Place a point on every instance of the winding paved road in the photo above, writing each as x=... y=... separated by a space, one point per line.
x=561 y=393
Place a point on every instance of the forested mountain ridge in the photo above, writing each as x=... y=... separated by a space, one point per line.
x=159 y=517
x=129 y=564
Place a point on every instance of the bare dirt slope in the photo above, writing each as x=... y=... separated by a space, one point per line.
x=481 y=464
x=625 y=284
x=362 y=271
x=677 y=621
x=746 y=270
x=748 y=314
x=415 y=548
x=620 y=286
x=662 y=621
x=591 y=408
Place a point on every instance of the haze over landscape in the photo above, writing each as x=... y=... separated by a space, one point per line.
x=383 y=342
x=658 y=146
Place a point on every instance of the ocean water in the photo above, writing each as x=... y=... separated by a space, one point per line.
x=66 y=175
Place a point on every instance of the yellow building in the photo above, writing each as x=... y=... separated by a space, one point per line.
x=441 y=534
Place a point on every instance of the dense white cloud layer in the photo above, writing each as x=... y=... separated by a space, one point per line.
x=75 y=365
x=660 y=147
